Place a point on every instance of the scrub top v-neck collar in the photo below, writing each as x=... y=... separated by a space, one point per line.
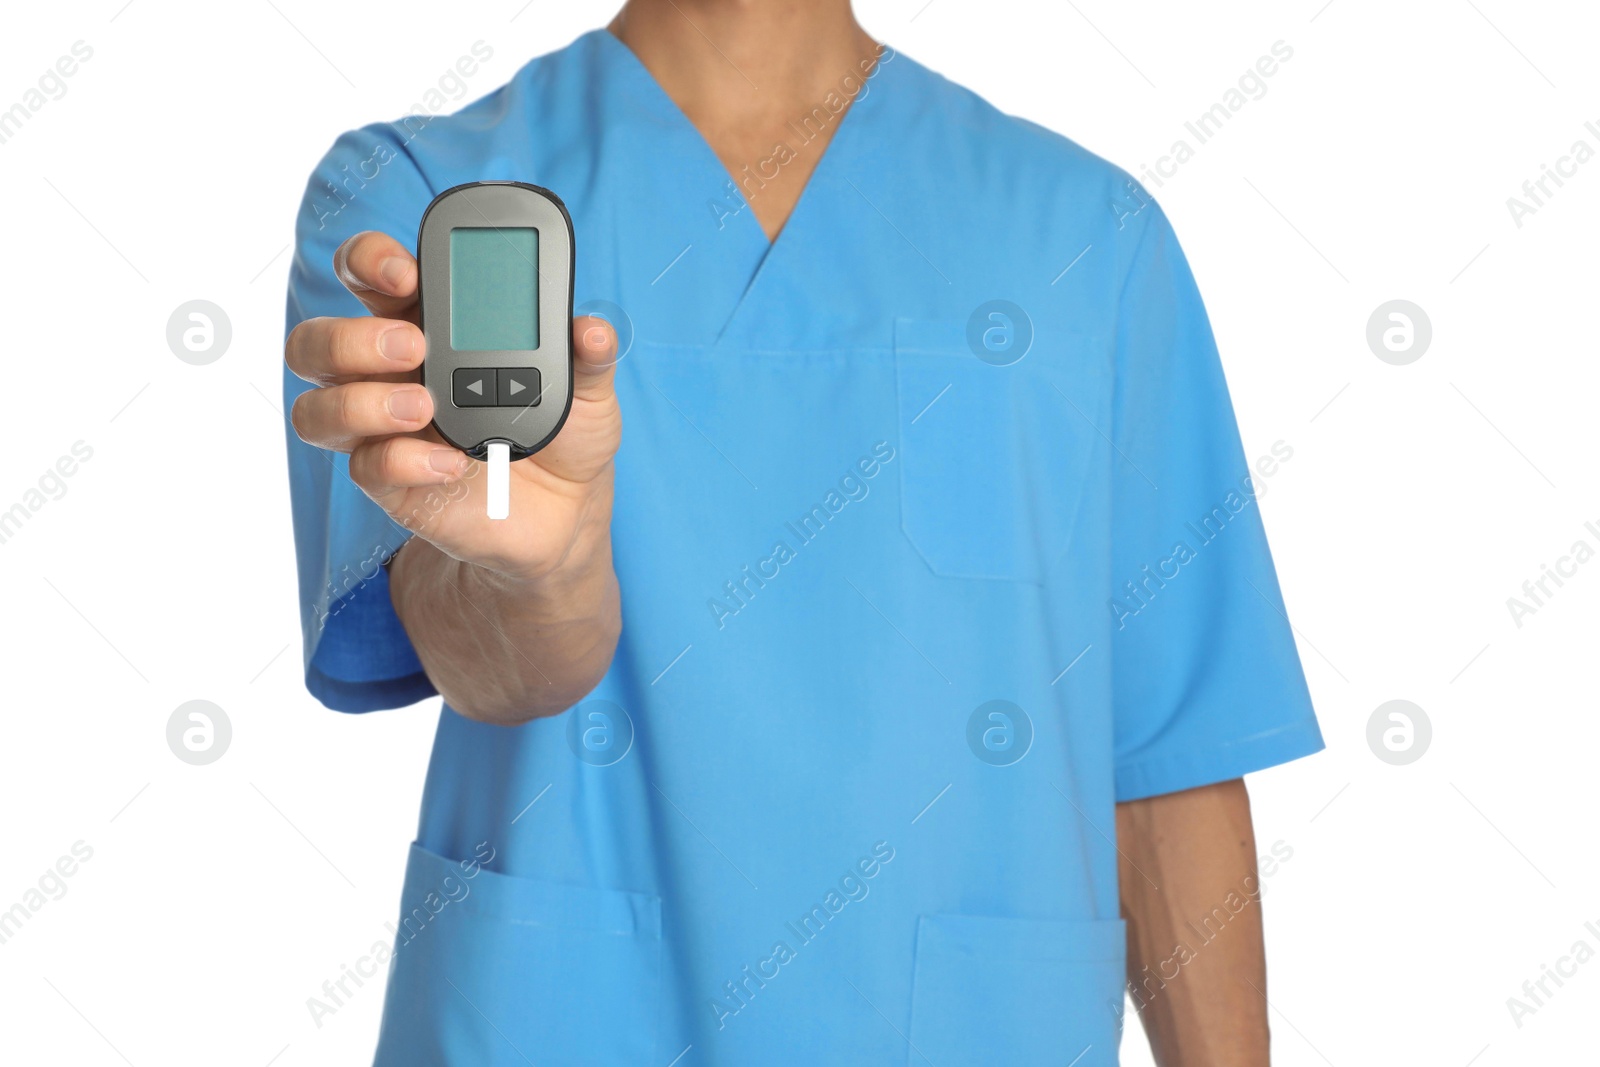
x=764 y=255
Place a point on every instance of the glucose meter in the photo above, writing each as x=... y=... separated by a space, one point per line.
x=495 y=270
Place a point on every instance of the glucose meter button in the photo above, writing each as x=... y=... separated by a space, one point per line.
x=518 y=387
x=473 y=388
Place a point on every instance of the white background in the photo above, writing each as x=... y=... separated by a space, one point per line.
x=1420 y=497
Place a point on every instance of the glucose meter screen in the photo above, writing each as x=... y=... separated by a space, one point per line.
x=494 y=288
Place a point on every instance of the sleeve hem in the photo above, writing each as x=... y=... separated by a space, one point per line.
x=1219 y=763
x=357 y=697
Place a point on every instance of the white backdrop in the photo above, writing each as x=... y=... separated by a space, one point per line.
x=205 y=904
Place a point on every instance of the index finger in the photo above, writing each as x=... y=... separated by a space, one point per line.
x=381 y=273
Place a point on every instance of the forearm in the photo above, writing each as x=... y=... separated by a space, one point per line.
x=506 y=649
x=1191 y=898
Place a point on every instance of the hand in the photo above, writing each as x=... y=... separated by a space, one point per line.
x=371 y=405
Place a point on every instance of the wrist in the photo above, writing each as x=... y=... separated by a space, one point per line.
x=571 y=561
x=565 y=591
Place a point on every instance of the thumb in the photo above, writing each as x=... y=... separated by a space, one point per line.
x=594 y=363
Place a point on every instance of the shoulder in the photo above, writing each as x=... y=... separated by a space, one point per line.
x=977 y=139
x=1037 y=187
x=382 y=175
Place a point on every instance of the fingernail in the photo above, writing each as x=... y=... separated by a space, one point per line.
x=406 y=404
x=445 y=461
x=397 y=344
x=395 y=272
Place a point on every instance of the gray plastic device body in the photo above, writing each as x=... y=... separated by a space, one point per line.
x=527 y=427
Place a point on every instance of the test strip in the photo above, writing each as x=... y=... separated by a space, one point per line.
x=499 y=480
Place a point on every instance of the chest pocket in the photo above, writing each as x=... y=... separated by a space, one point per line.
x=994 y=458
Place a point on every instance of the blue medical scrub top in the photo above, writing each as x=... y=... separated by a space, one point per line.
x=915 y=587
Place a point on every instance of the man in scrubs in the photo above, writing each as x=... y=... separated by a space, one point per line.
x=879 y=696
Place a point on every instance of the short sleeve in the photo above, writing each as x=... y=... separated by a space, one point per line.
x=1207 y=683
x=357 y=655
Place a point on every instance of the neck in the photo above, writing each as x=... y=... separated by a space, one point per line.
x=756 y=79
x=741 y=60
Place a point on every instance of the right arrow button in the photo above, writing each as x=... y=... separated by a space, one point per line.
x=518 y=387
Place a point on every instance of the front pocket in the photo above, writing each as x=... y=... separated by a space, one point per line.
x=498 y=971
x=993 y=458
x=1019 y=992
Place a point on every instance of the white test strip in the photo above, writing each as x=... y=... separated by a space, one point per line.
x=499 y=480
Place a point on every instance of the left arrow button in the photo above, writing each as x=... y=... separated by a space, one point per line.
x=471 y=388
